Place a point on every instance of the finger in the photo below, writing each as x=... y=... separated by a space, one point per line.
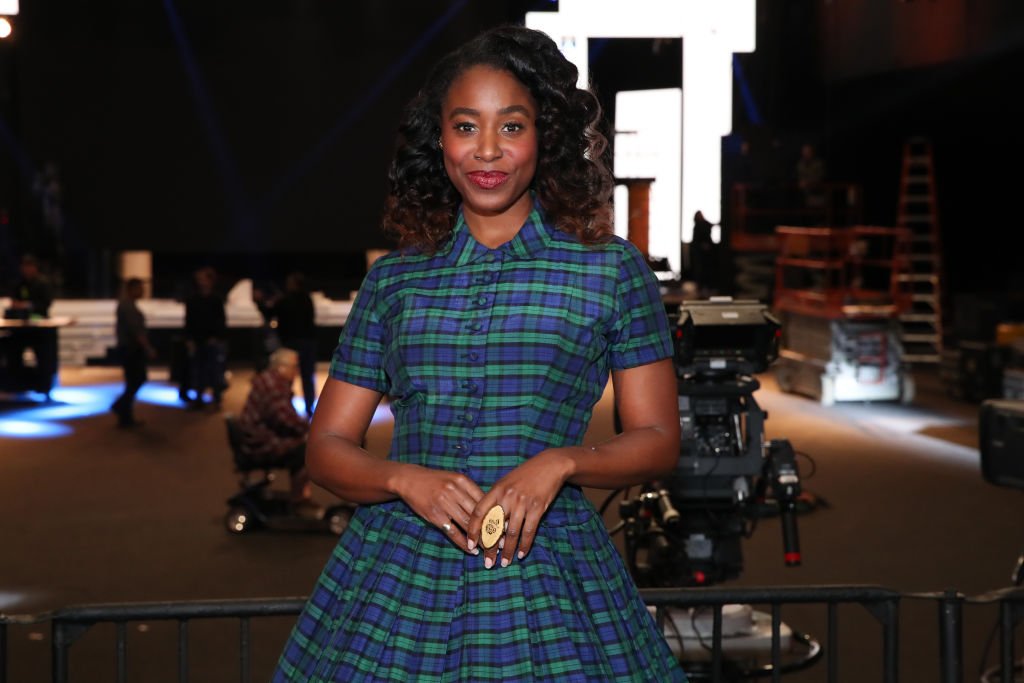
x=464 y=510
x=512 y=531
x=476 y=519
x=528 y=533
x=452 y=531
x=456 y=535
x=454 y=504
x=468 y=487
x=491 y=556
x=465 y=494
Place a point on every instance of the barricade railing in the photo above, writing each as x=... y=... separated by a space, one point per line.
x=69 y=624
x=1011 y=613
x=883 y=604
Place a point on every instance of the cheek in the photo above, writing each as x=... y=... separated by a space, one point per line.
x=454 y=153
x=527 y=157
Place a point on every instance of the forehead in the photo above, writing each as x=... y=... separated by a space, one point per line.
x=484 y=87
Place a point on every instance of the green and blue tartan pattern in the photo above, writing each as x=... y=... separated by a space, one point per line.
x=489 y=356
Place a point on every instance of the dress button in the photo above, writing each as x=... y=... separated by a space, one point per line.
x=474 y=327
x=470 y=387
x=481 y=300
x=468 y=417
x=489 y=258
x=473 y=355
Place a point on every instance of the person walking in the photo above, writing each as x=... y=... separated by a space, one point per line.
x=134 y=351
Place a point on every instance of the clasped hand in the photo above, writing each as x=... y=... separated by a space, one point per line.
x=457 y=505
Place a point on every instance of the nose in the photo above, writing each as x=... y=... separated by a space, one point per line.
x=488 y=147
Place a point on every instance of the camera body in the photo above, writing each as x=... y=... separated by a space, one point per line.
x=687 y=528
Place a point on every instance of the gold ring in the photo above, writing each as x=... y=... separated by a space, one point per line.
x=493 y=527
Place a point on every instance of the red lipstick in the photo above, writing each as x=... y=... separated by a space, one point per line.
x=488 y=180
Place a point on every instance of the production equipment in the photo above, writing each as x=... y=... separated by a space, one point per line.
x=686 y=529
x=1001 y=447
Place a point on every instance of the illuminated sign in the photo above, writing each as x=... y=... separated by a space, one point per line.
x=711 y=31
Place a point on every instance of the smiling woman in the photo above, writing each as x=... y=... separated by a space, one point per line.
x=489 y=141
x=493 y=330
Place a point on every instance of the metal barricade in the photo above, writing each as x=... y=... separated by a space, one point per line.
x=69 y=624
x=883 y=604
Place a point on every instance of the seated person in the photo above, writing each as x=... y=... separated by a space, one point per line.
x=273 y=433
x=31 y=299
x=32 y=293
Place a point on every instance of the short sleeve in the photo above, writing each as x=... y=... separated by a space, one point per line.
x=359 y=356
x=640 y=334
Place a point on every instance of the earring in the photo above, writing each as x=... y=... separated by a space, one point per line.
x=440 y=145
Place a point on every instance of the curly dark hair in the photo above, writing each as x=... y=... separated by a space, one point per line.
x=573 y=181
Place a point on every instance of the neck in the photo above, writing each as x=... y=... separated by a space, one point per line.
x=493 y=230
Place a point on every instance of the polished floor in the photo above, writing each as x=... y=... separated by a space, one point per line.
x=91 y=513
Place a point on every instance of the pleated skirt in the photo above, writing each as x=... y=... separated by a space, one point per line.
x=397 y=601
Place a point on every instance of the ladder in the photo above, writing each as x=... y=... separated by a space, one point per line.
x=921 y=324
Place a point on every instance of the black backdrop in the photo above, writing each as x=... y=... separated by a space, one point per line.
x=255 y=135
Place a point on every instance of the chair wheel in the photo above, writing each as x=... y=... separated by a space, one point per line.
x=238 y=520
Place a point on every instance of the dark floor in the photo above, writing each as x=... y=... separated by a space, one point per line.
x=108 y=515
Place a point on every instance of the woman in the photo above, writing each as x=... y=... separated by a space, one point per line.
x=493 y=330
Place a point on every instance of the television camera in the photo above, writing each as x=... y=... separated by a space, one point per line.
x=686 y=529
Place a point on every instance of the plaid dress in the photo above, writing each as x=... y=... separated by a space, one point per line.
x=489 y=356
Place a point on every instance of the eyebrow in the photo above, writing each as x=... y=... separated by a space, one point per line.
x=511 y=109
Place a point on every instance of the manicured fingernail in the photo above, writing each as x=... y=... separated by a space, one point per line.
x=471 y=544
x=501 y=543
x=488 y=562
x=504 y=562
x=521 y=555
x=475 y=551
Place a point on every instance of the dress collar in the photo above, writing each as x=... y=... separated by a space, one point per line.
x=533 y=237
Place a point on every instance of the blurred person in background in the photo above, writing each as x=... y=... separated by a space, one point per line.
x=294 y=317
x=133 y=350
x=205 y=341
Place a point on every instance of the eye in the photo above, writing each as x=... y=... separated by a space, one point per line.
x=513 y=127
x=464 y=127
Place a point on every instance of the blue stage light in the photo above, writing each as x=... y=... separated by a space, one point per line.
x=25 y=429
x=159 y=394
x=47 y=419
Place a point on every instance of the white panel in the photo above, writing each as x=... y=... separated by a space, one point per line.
x=9 y=7
x=621 y=205
x=712 y=31
x=647 y=145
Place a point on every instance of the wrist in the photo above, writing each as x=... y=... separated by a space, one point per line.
x=399 y=479
x=568 y=461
